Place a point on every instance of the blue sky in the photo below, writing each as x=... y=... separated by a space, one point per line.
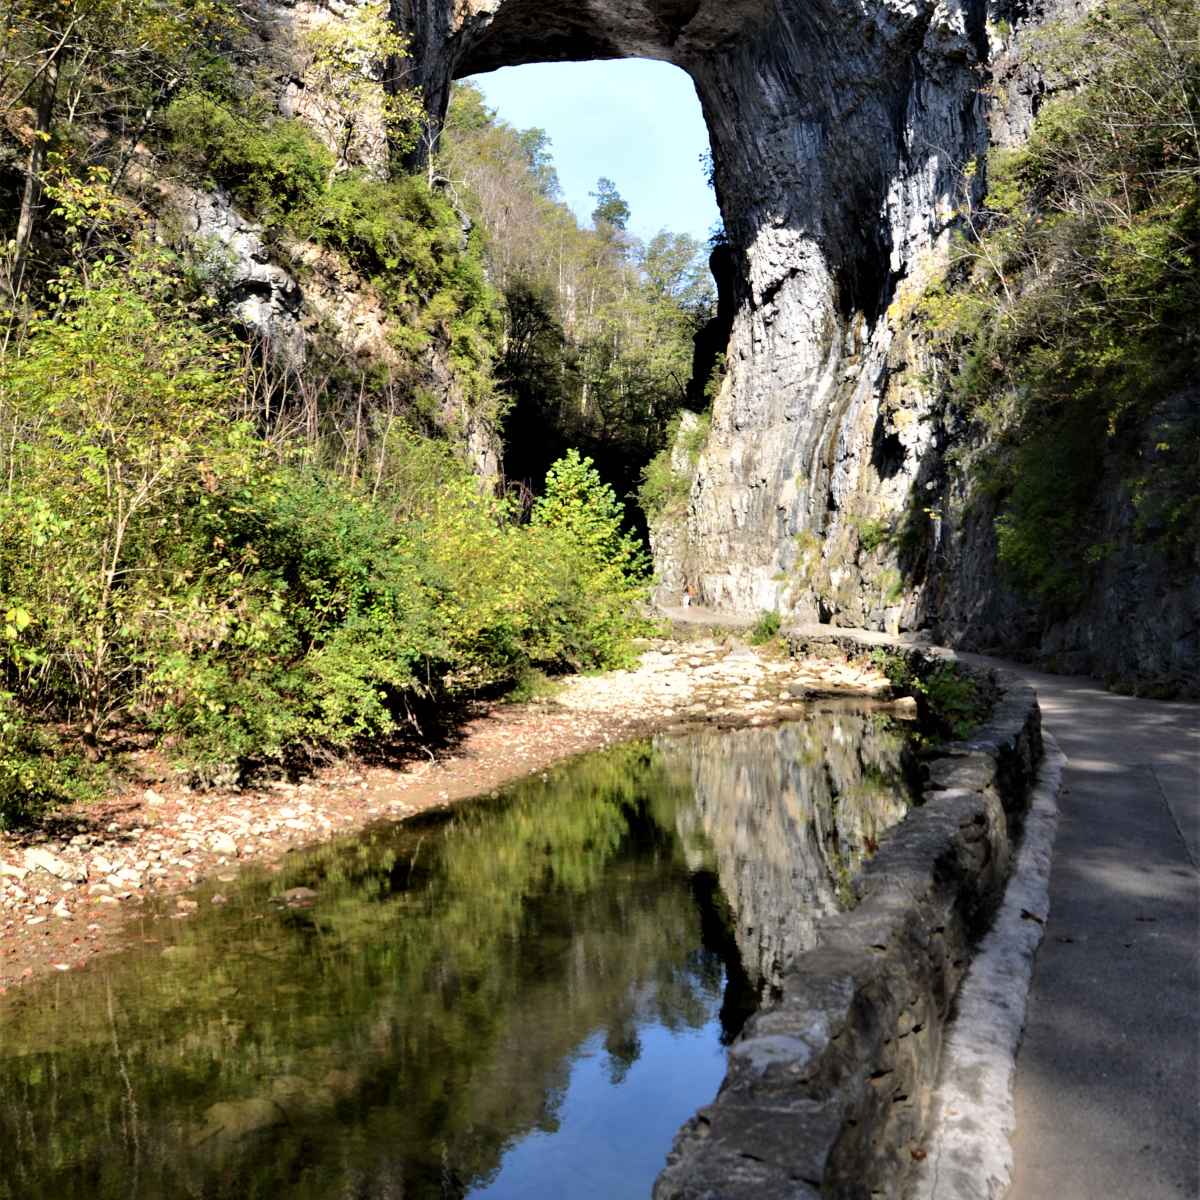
x=635 y=121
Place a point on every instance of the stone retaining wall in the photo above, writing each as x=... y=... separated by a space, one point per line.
x=828 y=1089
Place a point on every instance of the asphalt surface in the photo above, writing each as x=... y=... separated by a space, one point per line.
x=1107 y=1090
x=1108 y=1075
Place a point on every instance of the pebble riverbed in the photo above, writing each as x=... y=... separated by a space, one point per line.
x=68 y=890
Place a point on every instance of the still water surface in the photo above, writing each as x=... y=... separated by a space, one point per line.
x=523 y=997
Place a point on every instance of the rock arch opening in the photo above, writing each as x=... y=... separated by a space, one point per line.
x=588 y=183
x=839 y=131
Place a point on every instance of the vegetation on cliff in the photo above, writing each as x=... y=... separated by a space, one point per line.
x=242 y=559
x=1069 y=316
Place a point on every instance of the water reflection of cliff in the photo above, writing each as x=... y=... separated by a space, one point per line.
x=789 y=813
x=396 y=1040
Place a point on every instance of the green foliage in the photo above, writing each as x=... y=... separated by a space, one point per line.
x=611 y=210
x=716 y=377
x=345 y=68
x=115 y=412
x=272 y=167
x=891 y=586
x=663 y=490
x=161 y=567
x=176 y=557
x=873 y=533
x=1070 y=316
x=955 y=700
x=695 y=439
x=951 y=701
x=531 y=686
x=37 y=772
x=601 y=571
x=410 y=242
x=766 y=628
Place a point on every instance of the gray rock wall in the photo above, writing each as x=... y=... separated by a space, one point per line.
x=839 y=132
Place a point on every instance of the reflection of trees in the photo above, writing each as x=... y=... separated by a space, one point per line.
x=393 y=1040
x=790 y=812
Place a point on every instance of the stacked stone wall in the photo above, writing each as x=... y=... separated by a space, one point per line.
x=828 y=1090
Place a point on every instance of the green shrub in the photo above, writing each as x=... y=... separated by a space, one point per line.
x=600 y=573
x=957 y=702
x=37 y=772
x=766 y=628
x=873 y=533
x=696 y=438
x=306 y=629
x=411 y=243
x=164 y=569
x=663 y=490
x=950 y=700
x=272 y=167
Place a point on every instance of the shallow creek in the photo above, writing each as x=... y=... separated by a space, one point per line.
x=524 y=996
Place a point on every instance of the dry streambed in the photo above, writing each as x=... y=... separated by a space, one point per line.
x=69 y=892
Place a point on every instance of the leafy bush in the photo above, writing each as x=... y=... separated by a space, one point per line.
x=663 y=489
x=950 y=700
x=766 y=628
x=599 y=572
x=306 y=628
x=37 y=771
x=115 y=415
x=160 y=567
x=873 y=533
x=271 y=167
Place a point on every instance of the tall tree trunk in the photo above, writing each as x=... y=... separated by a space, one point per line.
x=32 y=194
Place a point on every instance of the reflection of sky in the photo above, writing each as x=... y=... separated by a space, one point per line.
x=635 y=121
x=612 y=1138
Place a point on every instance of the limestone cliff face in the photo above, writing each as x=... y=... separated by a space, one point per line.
x=296 y=299
x=840 y=133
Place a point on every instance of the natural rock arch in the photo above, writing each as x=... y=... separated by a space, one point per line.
x=840 y=130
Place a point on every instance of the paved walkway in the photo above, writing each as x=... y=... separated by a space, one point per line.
x=1108 y=1076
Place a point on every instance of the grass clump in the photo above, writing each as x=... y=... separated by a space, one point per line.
x=766 y=628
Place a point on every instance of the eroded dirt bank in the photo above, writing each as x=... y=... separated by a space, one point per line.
x=85 y=883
